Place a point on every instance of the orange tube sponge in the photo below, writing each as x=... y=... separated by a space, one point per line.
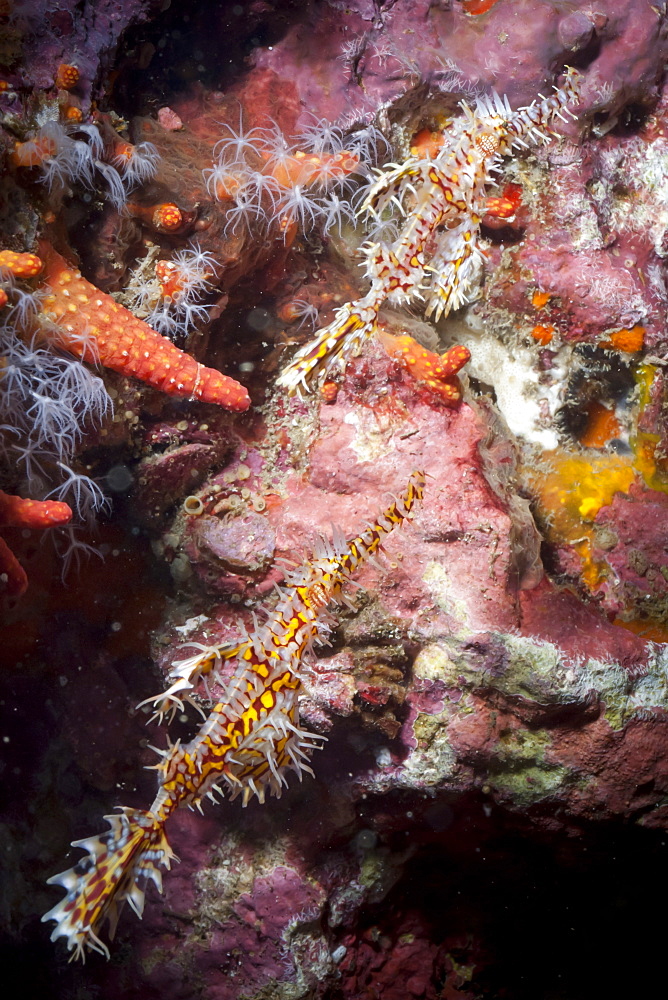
x=630 y=341
x=80 y=312
x=543 y=334
x=15 y=512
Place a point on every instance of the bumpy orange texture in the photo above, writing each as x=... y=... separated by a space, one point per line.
x=22 y=265
x=628 y=341
x=80 y=311
x=17 y=512
x=437 y=371
x=67 y=76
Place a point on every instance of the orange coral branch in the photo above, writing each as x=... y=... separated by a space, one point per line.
x=79 y=312
x=16 y=512
x=13 y=577
x=438 y=371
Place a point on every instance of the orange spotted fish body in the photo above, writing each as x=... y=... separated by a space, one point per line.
x=249 y=742
x=436 y=256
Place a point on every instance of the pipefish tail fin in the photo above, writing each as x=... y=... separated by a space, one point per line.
x=110 y=873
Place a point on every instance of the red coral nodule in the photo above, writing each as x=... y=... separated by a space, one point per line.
x=17 y=512
x=329 y=391
x=70 y=113
x=502 y=210
x=67 y=76
x=165 y=218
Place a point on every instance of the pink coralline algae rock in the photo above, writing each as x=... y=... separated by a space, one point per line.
x=169 y=120
x=585 y=247
x=67 y=31
x=165 y=479
x=399 y=971
x=355 y=464
x=374 y=56
x=178 y=459
x=576 y=30
x=637 y=550
x=223 y=549
x=253 y=910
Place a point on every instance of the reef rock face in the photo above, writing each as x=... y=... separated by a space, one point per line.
x=463 y=672
x=66 y=32
x=353 y=62
x=500 y=683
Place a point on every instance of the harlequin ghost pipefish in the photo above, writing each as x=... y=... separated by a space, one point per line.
x=249 y=742
x=442 y=199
